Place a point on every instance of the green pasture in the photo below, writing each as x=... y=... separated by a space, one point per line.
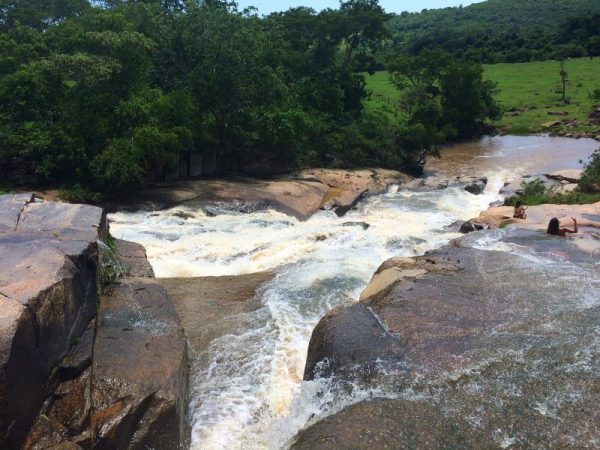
x=530 y=89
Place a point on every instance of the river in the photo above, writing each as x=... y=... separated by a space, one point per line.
x=246 y=389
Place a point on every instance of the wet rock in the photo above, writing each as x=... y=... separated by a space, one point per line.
x=79 y=356
x=210 y=307
x=357 y=328
x=396 y=269
x=473 y=225
x=68 y=414
x=363 y=225
x=476 y=187
x=48 y=285
x=393 y=424
x=467 y=227
x=570 y=175
x=464 y=352
x=140 y=370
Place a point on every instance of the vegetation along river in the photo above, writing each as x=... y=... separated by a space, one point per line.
x=247 y=389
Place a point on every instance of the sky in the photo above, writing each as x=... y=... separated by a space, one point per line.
x=396 y=6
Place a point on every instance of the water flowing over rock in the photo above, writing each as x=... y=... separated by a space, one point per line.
x=461 y=354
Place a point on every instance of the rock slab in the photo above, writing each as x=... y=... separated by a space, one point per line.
x=500 y=353
x=140 y=370
x=48 y=285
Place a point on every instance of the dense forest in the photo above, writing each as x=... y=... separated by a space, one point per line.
x=503 y=30
x=104 y=95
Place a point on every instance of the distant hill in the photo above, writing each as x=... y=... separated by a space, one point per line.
x=500 y=30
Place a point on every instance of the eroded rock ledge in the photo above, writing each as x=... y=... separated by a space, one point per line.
x=300 y=196
x=483 y=350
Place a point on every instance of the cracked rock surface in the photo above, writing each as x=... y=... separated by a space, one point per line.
x=48 y=286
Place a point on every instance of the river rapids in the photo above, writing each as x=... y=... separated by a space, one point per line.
x=246 y=389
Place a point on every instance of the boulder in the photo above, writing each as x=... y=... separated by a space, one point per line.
x=48 y=285
x=467 y=227
x=139 y=392
x=477 y=186
x=211 y=307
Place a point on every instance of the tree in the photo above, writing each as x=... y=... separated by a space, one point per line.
x=441 y=98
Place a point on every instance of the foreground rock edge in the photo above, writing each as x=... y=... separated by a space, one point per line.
x=81 y=411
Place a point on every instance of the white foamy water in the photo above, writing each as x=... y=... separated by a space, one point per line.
x=247 y=389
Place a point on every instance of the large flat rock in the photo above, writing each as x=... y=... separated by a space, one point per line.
x=502 y=353
x=48 y=285
x=140 y=370
x=209 y=306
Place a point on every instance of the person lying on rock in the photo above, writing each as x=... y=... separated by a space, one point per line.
x=520 y=211
x=555 y=230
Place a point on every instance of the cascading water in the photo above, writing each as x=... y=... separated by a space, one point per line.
x=247 y=389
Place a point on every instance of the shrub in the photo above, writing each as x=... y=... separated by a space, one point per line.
x=535 y=192
x=590 y=179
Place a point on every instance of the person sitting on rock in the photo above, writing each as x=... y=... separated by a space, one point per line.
x=555 y=229
x=520 y=211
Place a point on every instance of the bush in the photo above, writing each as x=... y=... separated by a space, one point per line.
x=79 y=194
x=590 y=179
x=535 y=192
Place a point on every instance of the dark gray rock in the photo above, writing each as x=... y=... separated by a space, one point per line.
x=477 y=186
x=467 y=227
x=363 y=225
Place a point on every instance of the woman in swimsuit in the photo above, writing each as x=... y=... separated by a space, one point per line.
x=555 y=229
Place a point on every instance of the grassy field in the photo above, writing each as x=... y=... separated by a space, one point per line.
x=527 y=92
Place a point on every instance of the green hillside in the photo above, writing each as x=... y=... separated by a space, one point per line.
x=497 y=30
x=527 y=92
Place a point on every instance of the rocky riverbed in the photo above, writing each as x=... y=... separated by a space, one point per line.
x=472 y=344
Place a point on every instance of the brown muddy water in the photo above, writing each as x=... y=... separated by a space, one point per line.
x=523 y=155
